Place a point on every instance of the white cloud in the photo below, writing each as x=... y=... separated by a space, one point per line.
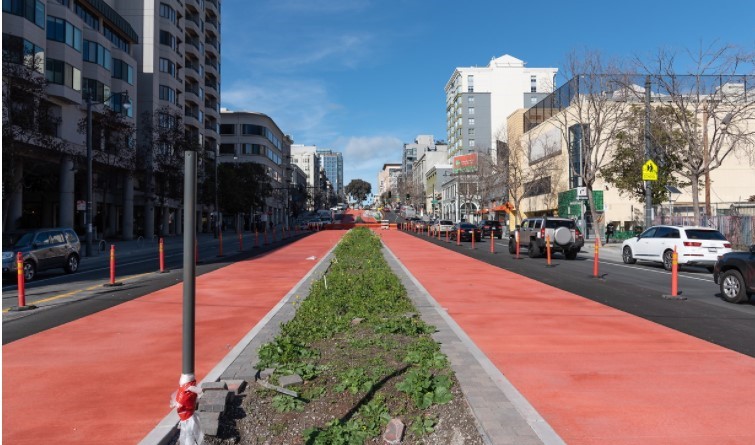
x=364 y=156
x=300 y=107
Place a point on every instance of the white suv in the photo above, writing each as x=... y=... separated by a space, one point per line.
x=695 y=246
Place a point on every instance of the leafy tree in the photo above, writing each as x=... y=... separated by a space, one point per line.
x=359 y=189
x=242 y=187
x=625 y=170
x=712 y=110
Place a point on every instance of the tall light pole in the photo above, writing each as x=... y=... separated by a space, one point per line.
x=88 y=213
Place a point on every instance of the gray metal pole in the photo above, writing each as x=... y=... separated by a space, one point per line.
x=88 y=214
x=648 y=190
x=189 y=272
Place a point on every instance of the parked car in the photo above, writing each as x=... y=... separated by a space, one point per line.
x=563 y=234
x=491 y=226
x=695 y=246
x=43 y=249
x=734 y=272
x=444 y=225
x=465 y=232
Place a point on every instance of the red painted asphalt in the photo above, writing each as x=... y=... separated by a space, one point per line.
x=597 y=375
x=107 y=378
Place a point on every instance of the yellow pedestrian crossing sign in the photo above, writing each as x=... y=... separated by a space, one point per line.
x=649 y=171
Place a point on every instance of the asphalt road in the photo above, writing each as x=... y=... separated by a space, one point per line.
x=61 y=297
x=636 y=289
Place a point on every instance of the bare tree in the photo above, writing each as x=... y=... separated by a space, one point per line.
x=594 y=112
x=711 y=108
x=532 y=177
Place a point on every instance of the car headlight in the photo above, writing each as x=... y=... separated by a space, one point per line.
x=7 y=255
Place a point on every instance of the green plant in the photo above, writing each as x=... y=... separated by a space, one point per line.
x=374 y=415
x=423 y=424
x=313 y=393
x=285 y=404
x=425 y=389
x=354 y=380
x=283 y=350
x=425 y=353
x=404 y=325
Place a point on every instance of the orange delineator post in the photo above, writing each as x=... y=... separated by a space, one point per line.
x=674 y=273
x=492 y=243
x=458 y=237
x=21 y=279
x=161 y=250
x=548 y=250
x=438 y=232
x=516 y=235
x=595 y=259
x=447 y=240
x=112 y=267
x=473 y=237
x=241 y=242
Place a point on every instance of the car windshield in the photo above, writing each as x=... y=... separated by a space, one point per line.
x=556 y=223
x=446 y=223
x=492 y=223
x=466 y=226
x=704 y=234
x=25 y=239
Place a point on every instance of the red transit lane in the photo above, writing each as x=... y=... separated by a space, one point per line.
x=596 y=374
x=107 y=378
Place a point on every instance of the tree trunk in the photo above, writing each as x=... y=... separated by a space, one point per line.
x=696 y=199
x=596 y=224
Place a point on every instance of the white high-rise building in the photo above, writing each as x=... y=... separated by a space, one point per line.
x=479 y=99
x=305 y=157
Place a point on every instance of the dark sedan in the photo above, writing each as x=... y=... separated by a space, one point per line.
x=735 y=273
x=465 y=232
x=490 y=226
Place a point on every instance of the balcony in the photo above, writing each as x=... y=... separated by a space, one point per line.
x=212 y=5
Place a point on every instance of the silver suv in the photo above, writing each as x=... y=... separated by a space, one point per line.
x=42 y=249
x=563 y=234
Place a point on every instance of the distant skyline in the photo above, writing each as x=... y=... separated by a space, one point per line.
x=363 y=77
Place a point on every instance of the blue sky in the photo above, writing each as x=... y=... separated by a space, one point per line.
x=366 y=76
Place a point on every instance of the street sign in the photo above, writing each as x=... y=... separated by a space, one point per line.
x=81 y=205
x=649 y=171
x=582 y=193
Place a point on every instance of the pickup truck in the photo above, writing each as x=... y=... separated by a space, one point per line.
x=734 y=272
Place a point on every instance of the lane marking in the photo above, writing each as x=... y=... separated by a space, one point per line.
x=78 y=291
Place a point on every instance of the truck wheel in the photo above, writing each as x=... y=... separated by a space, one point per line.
x=533 y=249
x=733 y=287
x=512 y=246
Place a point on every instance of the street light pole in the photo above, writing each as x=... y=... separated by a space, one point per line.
x=88 y=214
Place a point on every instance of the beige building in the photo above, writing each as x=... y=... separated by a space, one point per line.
x=545 y=156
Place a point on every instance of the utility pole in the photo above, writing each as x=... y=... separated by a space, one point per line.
x=648 y=190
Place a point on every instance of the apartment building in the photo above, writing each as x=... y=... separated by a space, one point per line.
x=479 y=99
x=305 y=157
x=332 y=163
x=248 y=136
x=86 y=52
x=387 y=179
x=131 y=60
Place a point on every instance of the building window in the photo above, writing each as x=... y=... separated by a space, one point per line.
x=88 y=17
x=123 y=71
x=61 y=73
x=168 y=39
x=60 y=30
x=23 y=52
x=96 y=53
x=95 y=90
x=470 y=131
x=471 y=121
x=471 y=142
x=168 y=94
x=166 y=66
x=471 y=110
x=31 y=10
x=227 y=149
x=533 y=84
x=116 y=103
x=167 y=12
x=470 y=84
x=470 y=99
x=116 y=39
x=227 y=129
